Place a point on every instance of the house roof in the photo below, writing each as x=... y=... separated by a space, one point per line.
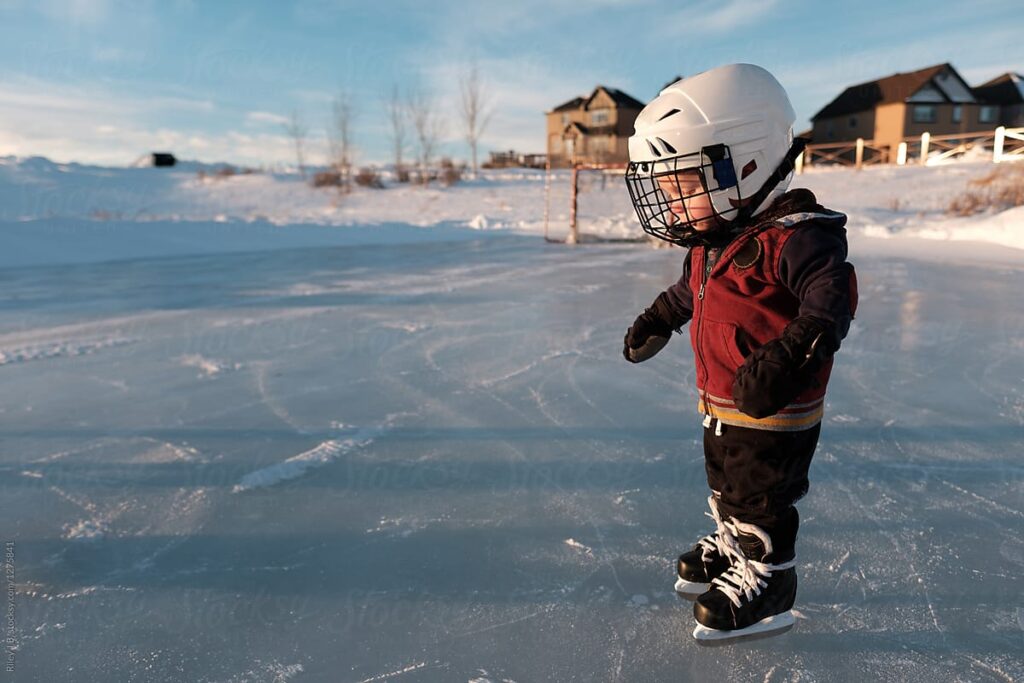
x=1005 y=89
x=584 y=129
x=574 y=103
x=620 y=98
x=896 y=88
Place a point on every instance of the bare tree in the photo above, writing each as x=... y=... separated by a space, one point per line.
x=339 y=137
x=476 y=109
x=297 y=131
x=397 y=118
x=428 y=128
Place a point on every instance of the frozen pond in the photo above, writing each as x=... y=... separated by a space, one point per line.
x=429 y=462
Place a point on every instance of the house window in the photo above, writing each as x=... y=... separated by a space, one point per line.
x=853 y=122
x=924 y=113
x=987 y=114
x=565 y=118
x=599 y=117
x=958 y=113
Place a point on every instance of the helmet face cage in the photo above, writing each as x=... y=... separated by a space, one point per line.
x=669 y=217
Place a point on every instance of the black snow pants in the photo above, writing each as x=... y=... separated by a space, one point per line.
x=759 y=475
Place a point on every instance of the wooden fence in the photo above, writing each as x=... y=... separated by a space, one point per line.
x=1004 y=144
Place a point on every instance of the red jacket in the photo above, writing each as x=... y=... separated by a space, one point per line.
x=790 y=262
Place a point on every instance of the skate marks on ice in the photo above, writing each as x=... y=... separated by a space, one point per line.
x=921 y=576
x=102 y=517
x=59 y=349
x=208 y=367
x=510 y=553
x=298 y=465
x=476 y=400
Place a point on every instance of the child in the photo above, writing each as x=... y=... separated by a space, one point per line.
x=769 y=295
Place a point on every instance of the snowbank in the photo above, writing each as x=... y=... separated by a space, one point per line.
x=70 y=213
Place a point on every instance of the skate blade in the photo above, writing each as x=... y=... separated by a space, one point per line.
x=766 y=628
x=690 y=589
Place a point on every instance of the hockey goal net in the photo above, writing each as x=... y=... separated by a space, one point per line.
x=589 y=203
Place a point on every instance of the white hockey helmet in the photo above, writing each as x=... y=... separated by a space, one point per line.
x=732 y=128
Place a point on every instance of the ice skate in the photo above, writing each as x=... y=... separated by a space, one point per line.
x=753 y=597
x=696 y=568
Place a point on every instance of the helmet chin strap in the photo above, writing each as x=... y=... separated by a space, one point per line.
x=784 y=169
x=724 y=235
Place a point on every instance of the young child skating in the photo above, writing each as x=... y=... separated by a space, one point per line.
x=769 y=296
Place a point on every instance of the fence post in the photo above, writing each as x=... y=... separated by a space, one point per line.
x=901 y=154
x=547 y=193
x=925 y=137
x=573 y=237
x=997 y=146
x=860 y=153
x=799 y=165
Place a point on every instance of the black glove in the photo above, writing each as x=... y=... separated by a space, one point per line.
x=649 y=333
x=774 y=374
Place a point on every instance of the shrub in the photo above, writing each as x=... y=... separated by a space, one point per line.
x=450 y=173
x=1000 y=189
x=327 y=179
x=367 y=177
x=225 y=171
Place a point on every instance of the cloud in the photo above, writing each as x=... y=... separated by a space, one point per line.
x=76 y=11
x=714 y=17
x=260 y=117
x=93 y=124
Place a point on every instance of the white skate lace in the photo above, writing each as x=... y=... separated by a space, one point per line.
x=715 y=541
x=745 y=577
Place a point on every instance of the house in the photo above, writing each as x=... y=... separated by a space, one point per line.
x=1007 y=93
x=502 y=159
x=511 y=158
x=934 y=100
x=592 y=129
x=155 y=159
x=163 y=159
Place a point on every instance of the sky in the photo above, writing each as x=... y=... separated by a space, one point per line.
x=104 y=81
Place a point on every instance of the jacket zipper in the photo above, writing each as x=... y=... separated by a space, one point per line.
x=700 y=316
x=708 y=266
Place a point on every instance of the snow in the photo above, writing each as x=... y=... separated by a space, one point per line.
x=297 y=465
x=374 y=443
x=67 y=213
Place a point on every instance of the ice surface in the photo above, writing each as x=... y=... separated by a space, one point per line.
x=429 y=462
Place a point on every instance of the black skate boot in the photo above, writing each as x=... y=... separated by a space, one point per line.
x=696 y=568
x=754 y=596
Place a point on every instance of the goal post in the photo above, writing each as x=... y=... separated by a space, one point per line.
x=589 y=202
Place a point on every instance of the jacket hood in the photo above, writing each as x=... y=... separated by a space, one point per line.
x=799 y=200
